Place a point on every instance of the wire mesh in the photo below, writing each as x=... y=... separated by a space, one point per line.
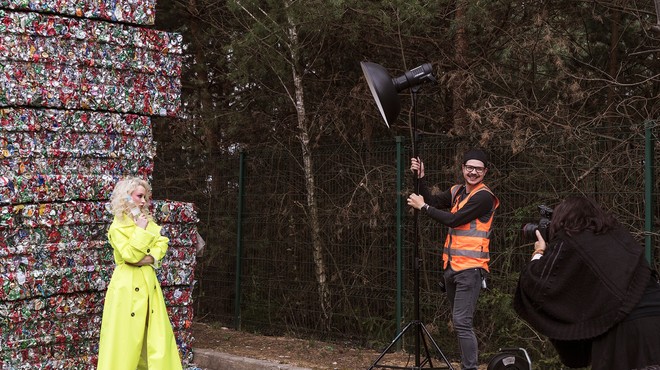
x=355 y=195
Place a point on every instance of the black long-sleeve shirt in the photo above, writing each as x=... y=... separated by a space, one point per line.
x=480 y=206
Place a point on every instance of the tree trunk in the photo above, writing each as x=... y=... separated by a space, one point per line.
x=201 y=101
x=304 y=126
x=656 y=26
x=613 y=62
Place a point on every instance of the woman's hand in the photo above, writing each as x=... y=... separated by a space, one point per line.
x=146 y=260
x=416 y=201
x=416 y=165
x=539 y=244
x=141 y=221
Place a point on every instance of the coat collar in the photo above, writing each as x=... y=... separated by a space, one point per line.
x=124 y=221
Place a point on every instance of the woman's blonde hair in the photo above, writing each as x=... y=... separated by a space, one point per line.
x=120 y=200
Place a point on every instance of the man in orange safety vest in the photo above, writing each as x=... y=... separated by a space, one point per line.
x=468 y=210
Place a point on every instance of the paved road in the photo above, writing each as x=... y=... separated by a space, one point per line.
x=212 y=360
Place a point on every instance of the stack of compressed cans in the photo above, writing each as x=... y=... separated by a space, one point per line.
x=58 y=62
x=56 y=264
x=77 y=90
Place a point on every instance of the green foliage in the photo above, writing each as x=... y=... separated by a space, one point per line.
x=499 y=327
x=539 y=85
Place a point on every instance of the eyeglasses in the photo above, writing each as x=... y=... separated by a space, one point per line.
x=478 y=170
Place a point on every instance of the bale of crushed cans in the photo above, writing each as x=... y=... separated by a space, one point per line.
x=58 y=62
x=56 y=264
x=141 y=12
x=77 y=89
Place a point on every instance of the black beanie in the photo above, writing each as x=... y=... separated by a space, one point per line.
x=477 y=154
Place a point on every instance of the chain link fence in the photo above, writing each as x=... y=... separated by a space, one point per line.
x=364 y=224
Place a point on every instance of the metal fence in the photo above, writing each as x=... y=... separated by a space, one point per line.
x=270 y=286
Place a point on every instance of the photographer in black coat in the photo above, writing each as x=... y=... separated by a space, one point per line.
x=591 y=291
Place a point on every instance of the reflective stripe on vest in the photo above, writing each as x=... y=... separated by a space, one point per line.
x=467 y=246
x=473 y=232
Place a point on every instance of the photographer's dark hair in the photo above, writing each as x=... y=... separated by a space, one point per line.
x=577 y=213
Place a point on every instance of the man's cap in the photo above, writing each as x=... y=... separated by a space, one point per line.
x=477 y=154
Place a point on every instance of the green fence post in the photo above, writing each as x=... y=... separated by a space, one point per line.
x=399 y=234
x=648 y=189
x=239 y=242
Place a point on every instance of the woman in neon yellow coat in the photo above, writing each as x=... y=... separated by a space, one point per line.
x=136 y=332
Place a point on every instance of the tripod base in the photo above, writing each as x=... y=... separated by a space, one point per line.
x=423 y=337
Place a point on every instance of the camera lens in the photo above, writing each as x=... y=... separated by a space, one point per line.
x=529 y=231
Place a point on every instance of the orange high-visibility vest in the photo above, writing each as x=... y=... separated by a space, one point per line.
x=467 y=246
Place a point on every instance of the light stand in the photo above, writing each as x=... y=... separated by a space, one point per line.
x=385 y=92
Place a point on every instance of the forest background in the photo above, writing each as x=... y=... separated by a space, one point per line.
x=280 y=146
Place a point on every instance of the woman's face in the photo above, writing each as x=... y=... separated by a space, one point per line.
x=138 y=196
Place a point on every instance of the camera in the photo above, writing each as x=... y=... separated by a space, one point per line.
x=530 y=228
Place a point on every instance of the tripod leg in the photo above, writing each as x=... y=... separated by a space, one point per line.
x=426 y=350
x=435 y=345
x=396 y=339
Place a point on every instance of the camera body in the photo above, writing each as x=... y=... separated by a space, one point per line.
x=543 y=225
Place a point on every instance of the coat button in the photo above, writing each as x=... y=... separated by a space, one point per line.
x=132 y=314
x=148 y=250
x=137 y=289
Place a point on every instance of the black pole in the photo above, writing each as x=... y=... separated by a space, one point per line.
x=416 y=261
x=416 y=324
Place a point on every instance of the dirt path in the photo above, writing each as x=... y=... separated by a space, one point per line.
x=293 y=351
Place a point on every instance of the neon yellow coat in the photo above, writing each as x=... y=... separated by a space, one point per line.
x=134 y=310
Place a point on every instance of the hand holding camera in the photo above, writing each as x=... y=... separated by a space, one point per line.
x=539 y=244
x=529 y=230
x=539 y=232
